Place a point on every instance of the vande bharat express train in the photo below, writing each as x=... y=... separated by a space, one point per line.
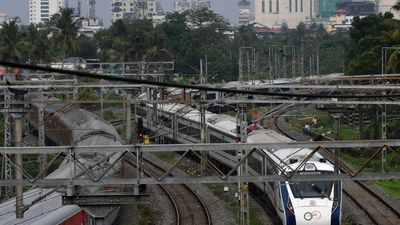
x=304 y=202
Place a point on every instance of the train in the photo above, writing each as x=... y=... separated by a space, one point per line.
x=65 y=125
x=303 y=202
x=296 y=203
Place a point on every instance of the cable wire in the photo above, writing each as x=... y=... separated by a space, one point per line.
x=183 y=86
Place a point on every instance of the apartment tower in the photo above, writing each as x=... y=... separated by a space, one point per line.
x=40 y=11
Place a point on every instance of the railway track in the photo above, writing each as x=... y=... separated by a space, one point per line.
x=375 y=207
x=189 y=208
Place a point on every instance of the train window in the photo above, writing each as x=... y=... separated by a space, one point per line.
x=312 y=189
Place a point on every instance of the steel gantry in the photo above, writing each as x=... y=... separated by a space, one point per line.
x=265 y=150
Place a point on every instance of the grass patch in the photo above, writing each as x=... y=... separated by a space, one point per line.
x=349 y=220
x=390 y=186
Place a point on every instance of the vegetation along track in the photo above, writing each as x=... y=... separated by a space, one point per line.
x=189 y=207
x=378 y=210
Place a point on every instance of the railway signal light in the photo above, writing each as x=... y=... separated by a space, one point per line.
x=140 y=129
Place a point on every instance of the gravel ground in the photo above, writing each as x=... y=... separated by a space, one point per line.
x=217 y=208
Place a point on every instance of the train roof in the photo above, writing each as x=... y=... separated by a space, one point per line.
x=51 y=204
x=267 y=136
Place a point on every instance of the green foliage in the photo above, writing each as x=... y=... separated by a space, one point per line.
x=10 y=41
x=368 y=36
x=66 y=37
x=87 y=49
x=391 y=186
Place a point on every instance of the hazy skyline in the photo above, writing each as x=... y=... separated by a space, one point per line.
x=227 y=8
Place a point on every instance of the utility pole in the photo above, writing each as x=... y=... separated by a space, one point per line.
x=336 y=129
x=384 y=137
x=240 y=67
x=6 y=166
x=41 y=134
x=18 y=166
x=203 y=122
x=128 y=119
x=244 y=215
x=247 y=57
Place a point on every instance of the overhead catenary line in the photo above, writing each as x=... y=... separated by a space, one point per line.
x=183 y=86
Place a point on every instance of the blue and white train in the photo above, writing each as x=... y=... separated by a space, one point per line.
x=305 y=202
x=296 y=203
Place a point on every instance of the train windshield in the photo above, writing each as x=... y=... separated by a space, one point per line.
x=312 y=189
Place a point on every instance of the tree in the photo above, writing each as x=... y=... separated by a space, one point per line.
x=368 y=36
x=66 y=37
x=396 y=6
x=11 y=38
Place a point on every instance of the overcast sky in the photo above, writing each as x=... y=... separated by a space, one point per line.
x=228 y=8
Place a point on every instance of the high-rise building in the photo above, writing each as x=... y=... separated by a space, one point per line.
x=133 y=9
x=244 y=12
x=40 y=11
x=327 y=8
x=357 y=7
x=184 y=5
x=276 y=13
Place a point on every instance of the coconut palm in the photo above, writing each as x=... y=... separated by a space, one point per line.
x=10 y=35
x=396 y=6
x=66 y=37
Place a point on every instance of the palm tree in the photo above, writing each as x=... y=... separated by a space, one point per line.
x=393 y=39
x=396 y=6
x=67 y=30
x=10 y=36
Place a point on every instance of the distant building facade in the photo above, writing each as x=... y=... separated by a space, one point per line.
x=339 y=22
x=133 y=9
x=244 y=12
x=159 y=17
x=40 y=11
x=276 y=13
x=326 y=8
x=386 y=6
x=4 y=17
x=357 y=8
x=185 y=5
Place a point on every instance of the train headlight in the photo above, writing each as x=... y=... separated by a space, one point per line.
x=290 y=207
x=310 y=167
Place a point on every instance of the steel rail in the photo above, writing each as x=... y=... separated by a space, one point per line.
x=192 y=191
x=166 y=191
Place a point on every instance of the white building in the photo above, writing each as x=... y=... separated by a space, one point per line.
x=277 y=13
x=40 y=11
x=4 y=17
x=185 y=5
x=133 y=9
x=159 y=18
x=244 y=12
x=339 y=22
x=386 y=5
